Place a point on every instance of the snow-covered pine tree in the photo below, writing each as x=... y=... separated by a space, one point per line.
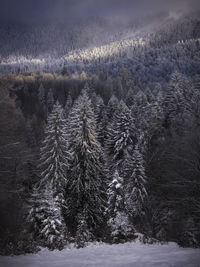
x=90 y=87
x=107 y=117
x=45 y=219
x=102 y=132
x=139 y=104
x=101 y=122
x=121 y=137
x=138 y=110
x=142 y=116
x=100 y=113
x=48 y=197
x=86 y=187
x=53 y=153
x=112 y=108
x=158 y=103
x=153 y=119
x=136 y=192
x=176 y=102
x=83 y=232
x=120 y=227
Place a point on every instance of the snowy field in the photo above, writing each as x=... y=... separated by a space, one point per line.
x=127 y=255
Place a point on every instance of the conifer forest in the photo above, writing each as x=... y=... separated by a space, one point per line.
x=99 y=126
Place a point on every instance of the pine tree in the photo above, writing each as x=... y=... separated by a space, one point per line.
x=108 y=115
x=141 y=113
x=136 y=192
x=102 y=121
x=138 y=109
x=83 y=232
x=121 y=137
x=120 y=228
x=48 y=201
x=53 y=153
x=158 y=104
x=85 y=194
x=45 y=219
x=112 y=108
x=176 y=103
x=99 y=107
x=90 y=87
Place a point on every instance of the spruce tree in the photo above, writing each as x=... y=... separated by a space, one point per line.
x=46 y=215
x=102 y=131
x=84 y=232
x=112 y=108
x=177 y=103
x=121 y=137
x=46 y=220
x=120 y=227
x=136 y=192
x=108 y=115
x=86 y=187
x=53 y=153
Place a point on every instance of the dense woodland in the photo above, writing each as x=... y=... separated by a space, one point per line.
x=150 y=53
x=105 y=150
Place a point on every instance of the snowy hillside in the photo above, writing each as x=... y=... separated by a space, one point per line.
x=96 y=46
x=122 y=255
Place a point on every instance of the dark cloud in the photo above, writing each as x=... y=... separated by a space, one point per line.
x=37 y=10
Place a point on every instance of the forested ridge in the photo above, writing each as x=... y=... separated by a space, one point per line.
x=149 y=48
x=103 y=145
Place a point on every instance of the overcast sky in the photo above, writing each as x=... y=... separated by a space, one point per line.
x=38 y=10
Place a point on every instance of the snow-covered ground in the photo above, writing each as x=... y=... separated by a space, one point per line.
x=126 y=255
